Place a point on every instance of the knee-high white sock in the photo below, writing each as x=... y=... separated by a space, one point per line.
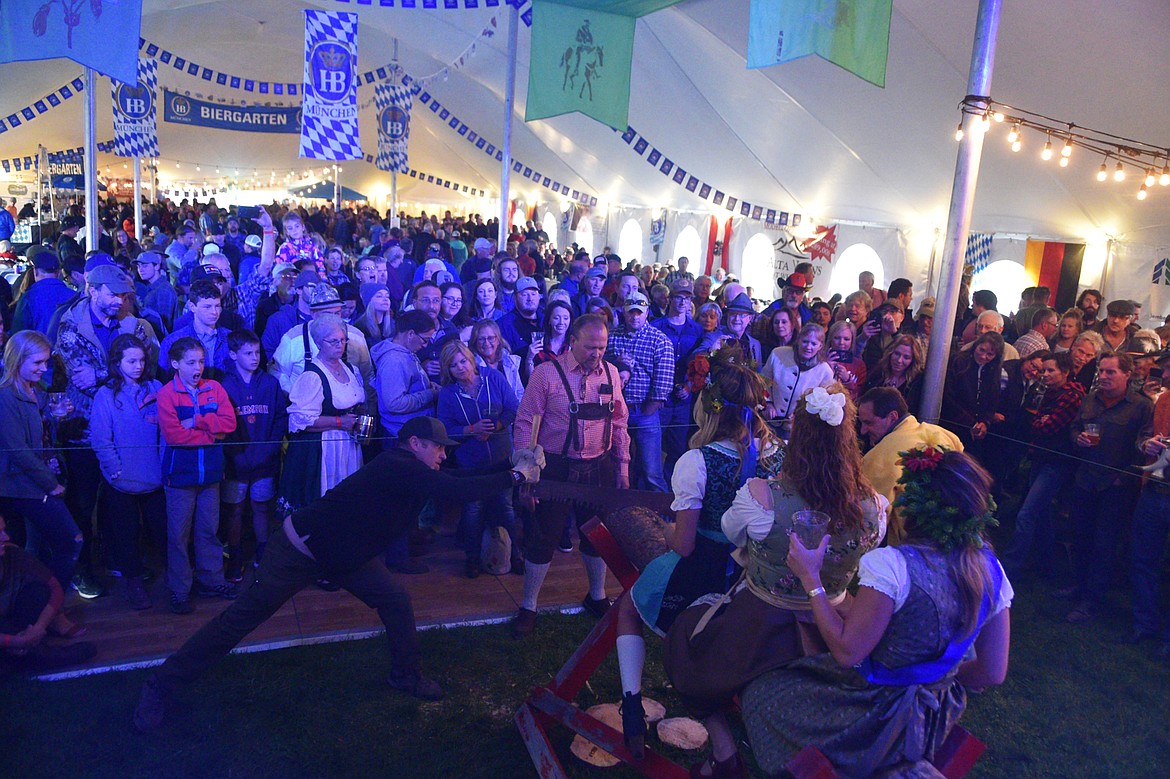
x=595 y=568
x=533 y=580
x=631 y=652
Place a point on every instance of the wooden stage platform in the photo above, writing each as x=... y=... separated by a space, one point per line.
x=444 y=596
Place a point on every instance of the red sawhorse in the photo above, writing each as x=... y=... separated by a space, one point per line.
x=553 y=703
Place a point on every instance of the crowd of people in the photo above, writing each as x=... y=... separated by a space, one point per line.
x=229 y=398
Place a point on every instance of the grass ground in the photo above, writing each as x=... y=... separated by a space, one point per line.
x=1075 y=705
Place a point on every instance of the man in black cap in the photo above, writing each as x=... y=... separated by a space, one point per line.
x=737 y=318
x=1119 y=315
x=156 y=291
x=339 y=537
x=34 y=310
x=67 y=244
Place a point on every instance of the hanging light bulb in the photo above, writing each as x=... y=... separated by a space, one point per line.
x=1046 y=154
x=1150 y=177
x=1103 y=172
x=1164 y=179
x=1064 y=162
x=1016 y=145
x=985 y=122
x=1142 y=193
x=177 y=165
x=1014 y=135
x=1119 y=172
x=197 y=167
x=1066 y=150
x=959 y=132
x=998 y=116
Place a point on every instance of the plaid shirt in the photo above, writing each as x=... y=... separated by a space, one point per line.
x=248 y=296
x=1059 y=409
x=1030 y=342
x=650 y=357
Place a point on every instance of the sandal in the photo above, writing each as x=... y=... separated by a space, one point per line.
x=634 y=724
x=731 y=768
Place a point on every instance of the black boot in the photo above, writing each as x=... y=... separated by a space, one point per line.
x=634 y=724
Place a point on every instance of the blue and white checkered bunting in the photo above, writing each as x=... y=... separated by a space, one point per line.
x=136 y=113
x=978 y=252
x=329 y=115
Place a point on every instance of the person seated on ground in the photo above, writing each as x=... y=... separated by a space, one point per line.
x=733 y=444
x=894 y=681
x=30 y=604
x=479 y=407
x=767 y=622
x=339 y=538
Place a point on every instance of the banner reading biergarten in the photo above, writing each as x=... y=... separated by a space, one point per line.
x=136 y=113
x=329 y=121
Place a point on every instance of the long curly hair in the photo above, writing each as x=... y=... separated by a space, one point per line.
x=823 y=463
x=732 y=385
x=882 y=372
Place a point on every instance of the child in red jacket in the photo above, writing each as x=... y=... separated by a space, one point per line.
x=194 y=414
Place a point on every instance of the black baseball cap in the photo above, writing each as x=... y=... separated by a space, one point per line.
x=427 y=428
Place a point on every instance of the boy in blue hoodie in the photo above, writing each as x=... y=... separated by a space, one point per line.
x=194 y=415
x=252 y=465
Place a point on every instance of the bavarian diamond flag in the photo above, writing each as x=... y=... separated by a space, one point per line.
x=329 y=125
x=135 y=113
x=393 y=102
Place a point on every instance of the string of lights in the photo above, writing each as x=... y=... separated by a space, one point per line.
x=1118 y=153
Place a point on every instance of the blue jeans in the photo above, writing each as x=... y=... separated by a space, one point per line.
x=1034 y=528
x=677 y=426
x=52 y=535
x=1151 y=523
x=490 y=512
x=646 y=452
x=1098 y=519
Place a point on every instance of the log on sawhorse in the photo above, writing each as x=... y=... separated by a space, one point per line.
x=954 y=759
x=552 y=704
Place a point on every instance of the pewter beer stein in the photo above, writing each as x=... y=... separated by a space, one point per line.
x=363 y=429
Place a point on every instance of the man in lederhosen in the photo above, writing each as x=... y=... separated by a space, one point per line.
x=583 y=430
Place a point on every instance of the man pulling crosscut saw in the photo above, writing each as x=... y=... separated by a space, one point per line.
x=572 y=408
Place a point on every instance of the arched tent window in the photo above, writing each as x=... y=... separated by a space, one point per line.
x=630 y=241
x=584 y=236
x=551 y=224
x=759 y=267
x=519 y=217
x=853 y=261
x=688 y=245
x=1006 y=278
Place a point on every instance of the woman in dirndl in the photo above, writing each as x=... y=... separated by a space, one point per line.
x=714 y=650
x=324 y=404
x=732 y=445
x=894 y=681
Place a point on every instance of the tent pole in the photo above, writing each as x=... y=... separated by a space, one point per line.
x=153 y=181
x=959 y=217
x=90 y=162
x=138 y=199
x=394 y=173
x=40 y=217
x=509 y=100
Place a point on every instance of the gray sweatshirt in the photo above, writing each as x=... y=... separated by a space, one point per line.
x=125 y=436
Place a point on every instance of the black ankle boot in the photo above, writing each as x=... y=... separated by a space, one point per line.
x=634 y=724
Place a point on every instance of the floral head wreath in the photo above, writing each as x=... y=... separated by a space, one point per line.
x=933 y=517
x=829 y=406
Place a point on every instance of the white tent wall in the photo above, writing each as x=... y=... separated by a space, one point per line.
x=1137 y=281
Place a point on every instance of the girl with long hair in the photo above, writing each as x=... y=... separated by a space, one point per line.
x=30 y=487
x=971 y=394
x=901 y=366
x=124 y=429
x=780 y=329
x=484 y=301
x=893 y=682
x=558 y=318
x=377 y=322
x=733 y=444
x=767 y=624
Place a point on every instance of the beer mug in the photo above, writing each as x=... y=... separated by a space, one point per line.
x=363 y=429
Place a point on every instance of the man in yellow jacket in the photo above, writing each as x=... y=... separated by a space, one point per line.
x=889 y=426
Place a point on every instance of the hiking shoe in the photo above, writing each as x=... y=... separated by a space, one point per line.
x=416 y=684
x=411 y=567
x=87 y=586
x=596 y=607
x=634 y=724
x=180 y=605
x=151 y=708
x=524 y=623
x=225 y=591
x=136 y=594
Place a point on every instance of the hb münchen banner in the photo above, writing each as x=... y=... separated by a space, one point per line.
x=181 y=109
x=394 y=102
x=329 y=127
x=135 y=113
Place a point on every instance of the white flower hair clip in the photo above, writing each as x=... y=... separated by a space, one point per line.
x=829 y=407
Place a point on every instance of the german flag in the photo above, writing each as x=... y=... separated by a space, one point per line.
x=1056 y=266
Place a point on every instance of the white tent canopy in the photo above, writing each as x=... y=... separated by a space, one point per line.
x=805 y=137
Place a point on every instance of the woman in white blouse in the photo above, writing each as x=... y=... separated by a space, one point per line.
x=324 y=404
x=793 y=370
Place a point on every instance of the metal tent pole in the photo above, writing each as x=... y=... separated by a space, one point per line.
x=509 y=101
x=138 y=199
x=90 y=162
x=962 y=201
